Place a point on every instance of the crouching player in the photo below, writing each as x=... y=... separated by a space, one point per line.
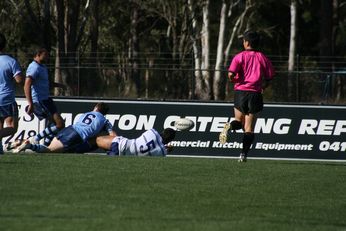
x=150 y=143
x=88 y=125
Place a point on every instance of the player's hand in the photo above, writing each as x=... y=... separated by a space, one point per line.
x=169 y=148
x=29 y=109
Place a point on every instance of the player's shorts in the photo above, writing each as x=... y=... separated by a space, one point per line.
x=84 y=147
x=44 y=109
x=248 y=101
x=116 y=146
x=69 y=138
x=10 y=110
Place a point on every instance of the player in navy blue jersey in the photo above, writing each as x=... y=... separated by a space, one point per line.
x=89 y=125
x=36 y=89
x=10 y=74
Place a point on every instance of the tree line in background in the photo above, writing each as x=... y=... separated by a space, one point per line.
x=174 y=49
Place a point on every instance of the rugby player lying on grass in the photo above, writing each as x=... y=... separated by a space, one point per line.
x=150 y=143
x=89 y=125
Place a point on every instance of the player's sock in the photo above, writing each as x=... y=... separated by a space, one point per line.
x=235 y=125
x=38 y=148
x=248 y=138
x=50 y=130
x=48 y=140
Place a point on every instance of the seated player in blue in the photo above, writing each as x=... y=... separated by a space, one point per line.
x=89 y=125
x=150 y=143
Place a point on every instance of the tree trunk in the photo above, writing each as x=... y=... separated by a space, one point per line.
x=60 y=51
x=134 y=51
x=219 y=80
x=292 y=50
x=326 y=31
x=206 y=93
x=92 y=75
x=196 y=54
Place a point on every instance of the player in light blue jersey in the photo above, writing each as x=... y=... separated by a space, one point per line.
x=10 y=74
x=150 y=143
x=37 y=89
x=88 y=125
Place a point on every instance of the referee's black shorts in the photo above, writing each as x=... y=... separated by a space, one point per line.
x=248 y=101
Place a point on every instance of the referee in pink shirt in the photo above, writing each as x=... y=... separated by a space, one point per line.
x=250 y=71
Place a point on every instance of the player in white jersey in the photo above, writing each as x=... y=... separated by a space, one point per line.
x=150 y=143
x=89 y=125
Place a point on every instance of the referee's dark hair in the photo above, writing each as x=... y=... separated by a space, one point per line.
x=2 y=41
x=252 y=37
x=102 y=108
x=167 y=135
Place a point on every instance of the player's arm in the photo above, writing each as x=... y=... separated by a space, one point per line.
x=104 y=142
x=19 y=78
x=27 y=92
x=231 y=76
x=109 y=128
x=169 y=148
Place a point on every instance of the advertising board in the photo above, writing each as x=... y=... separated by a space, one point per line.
x=281 y=131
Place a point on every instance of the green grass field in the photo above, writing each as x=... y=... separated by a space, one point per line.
x=76 y=192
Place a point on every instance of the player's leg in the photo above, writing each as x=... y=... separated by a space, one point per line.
x=46 y=109
x=55 y=146
x=234 y=125
x=51 y=130
x=11 y=127
x=240 y=109
x=249 y=135
x=255 y=102
x=66 y=138
x=9 y=116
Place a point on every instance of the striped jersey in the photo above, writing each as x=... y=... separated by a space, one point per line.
x=148 y=144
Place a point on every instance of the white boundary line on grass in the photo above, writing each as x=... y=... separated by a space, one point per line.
x=235 y=158
x=256 y=158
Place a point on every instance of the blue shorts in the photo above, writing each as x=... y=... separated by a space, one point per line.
x=10 y=110
x=83 y=148
x=69 y=138
x=44 y=109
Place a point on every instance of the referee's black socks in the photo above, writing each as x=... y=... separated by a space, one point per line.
x=236 y=125
x=248 y=138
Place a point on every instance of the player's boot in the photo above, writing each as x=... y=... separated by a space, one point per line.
x=223 y=137
x=242 y=158
x=25 y=145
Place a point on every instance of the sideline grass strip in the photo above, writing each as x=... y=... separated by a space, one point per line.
x=76 y=192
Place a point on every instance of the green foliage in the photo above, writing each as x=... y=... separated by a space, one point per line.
x=164 y=33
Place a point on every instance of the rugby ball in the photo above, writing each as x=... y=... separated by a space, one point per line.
x=184 y=124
